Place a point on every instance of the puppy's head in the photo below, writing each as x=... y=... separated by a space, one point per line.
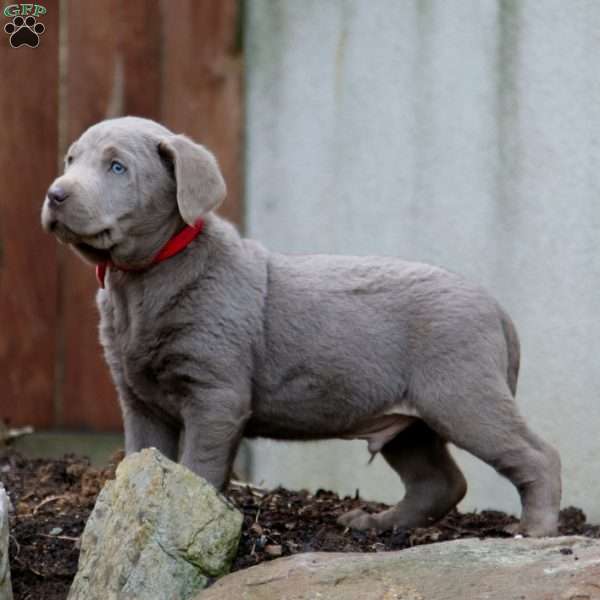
x=128 y=185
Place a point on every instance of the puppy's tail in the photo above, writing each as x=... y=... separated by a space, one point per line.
x=513 y=349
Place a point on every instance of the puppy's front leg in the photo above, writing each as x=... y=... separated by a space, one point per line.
x=143 y=430
x=213 y=423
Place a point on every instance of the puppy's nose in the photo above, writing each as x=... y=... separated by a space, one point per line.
x=56 y=195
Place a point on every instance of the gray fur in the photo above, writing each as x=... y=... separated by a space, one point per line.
x=228 y=339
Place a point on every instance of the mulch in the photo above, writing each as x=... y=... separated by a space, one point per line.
x=52 y=500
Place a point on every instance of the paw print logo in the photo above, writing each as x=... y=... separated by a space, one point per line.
x=24 y=32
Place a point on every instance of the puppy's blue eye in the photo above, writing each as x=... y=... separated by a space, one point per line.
x=117 y=168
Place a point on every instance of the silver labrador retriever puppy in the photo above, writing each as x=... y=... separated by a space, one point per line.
x=225 y=339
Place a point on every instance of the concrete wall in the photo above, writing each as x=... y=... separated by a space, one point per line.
x=464 y=133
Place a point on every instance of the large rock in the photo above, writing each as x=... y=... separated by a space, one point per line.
x=5 y=586
x=566 y=568
x=158 y=532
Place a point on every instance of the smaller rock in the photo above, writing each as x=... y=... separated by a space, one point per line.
x=56 y=531
x=157 y=531
x=5 y=584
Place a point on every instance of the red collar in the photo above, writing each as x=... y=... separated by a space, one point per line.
x=175 y=245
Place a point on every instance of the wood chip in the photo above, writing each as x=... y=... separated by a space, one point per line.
x=273 y=550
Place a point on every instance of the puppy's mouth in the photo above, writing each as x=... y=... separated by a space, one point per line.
x=95 y=247
x=100 y=240
x=95 y=255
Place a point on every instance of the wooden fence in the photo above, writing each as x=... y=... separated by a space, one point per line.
x=177 y=61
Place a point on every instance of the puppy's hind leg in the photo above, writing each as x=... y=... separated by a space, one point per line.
x=434 y=483
x=481 y=416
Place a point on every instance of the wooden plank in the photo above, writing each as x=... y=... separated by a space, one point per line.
x=202 y=84
x=28 y=154
x=113 y=59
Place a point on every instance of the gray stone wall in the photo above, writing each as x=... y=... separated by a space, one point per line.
x=464 y=133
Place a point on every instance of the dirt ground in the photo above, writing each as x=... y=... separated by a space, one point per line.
x=53 y=498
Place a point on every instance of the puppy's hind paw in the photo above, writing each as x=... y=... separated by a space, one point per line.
x=357 y=519
x=513 y=529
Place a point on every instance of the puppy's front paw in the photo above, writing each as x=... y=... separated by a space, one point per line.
x=357 y=519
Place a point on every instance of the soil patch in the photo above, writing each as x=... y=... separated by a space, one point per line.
x=52 y=500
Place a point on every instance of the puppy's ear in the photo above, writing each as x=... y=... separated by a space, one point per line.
x=200 y=185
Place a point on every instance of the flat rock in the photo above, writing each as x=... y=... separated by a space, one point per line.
x=562 y=568
x=157 y=532
x=5 y=585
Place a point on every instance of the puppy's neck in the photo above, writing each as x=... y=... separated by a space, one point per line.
x=174 y=246
x=144 y=243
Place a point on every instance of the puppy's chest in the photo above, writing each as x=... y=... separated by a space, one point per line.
x=156 y=354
